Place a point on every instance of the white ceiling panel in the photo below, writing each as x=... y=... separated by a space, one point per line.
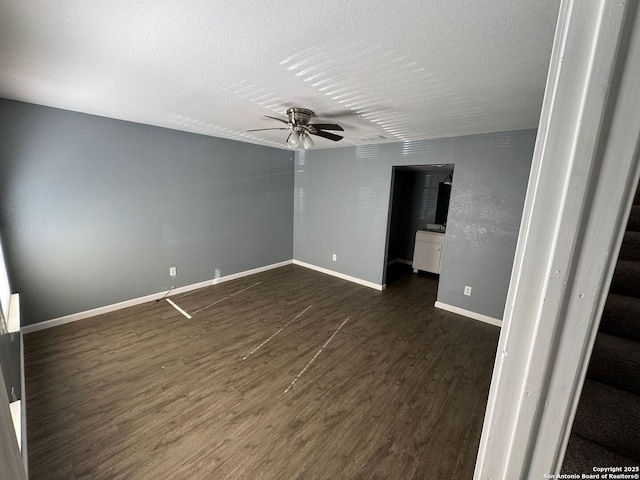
x=387 y=71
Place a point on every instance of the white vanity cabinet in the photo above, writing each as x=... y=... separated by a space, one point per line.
x=427 y=253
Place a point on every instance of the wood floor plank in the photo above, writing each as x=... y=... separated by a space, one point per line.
x=144 y=392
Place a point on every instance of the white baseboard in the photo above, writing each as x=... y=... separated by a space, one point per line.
x=342 y=276
x=470 y=314
x=74 y=317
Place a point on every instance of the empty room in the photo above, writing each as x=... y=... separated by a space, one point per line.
x=323 y=241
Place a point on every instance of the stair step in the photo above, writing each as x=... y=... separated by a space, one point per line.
x=616 y=362
x=634 y=218
x=626 y=278
x=582 y=455
x=630 y=248
x=621 y=317
x=610 y=417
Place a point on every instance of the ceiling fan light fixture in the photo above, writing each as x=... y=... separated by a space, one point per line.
x=294 y=139
x=307 y=142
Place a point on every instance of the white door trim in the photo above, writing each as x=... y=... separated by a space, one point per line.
x=585 y=170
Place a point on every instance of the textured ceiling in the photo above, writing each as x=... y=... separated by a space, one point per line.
x=386 y=70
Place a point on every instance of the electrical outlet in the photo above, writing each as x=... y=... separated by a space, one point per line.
x=334 y=257
x=172 y=271
x=467 y=290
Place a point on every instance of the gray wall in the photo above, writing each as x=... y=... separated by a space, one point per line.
x=94 y=211
x=342 y=207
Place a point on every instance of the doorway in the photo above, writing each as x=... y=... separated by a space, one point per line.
x=419 y=200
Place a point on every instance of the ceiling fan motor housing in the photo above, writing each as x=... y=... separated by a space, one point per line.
x=299 y=116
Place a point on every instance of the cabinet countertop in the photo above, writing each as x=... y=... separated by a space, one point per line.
x=429 y=236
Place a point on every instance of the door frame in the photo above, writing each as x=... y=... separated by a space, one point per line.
x=584 y=175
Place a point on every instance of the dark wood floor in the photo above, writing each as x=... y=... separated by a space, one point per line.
x=398 y=392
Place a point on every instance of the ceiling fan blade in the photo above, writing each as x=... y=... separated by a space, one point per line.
x=326 y=126
x=330 y=136
x=279 y=119
x=261 y=129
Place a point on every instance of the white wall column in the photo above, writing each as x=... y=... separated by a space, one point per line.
x=584 y=173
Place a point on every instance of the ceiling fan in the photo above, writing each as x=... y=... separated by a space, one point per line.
x=298 y=121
